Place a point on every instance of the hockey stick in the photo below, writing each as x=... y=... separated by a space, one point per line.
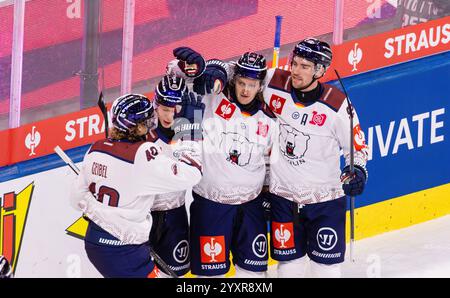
x=276 y=42
x=102 y=106
x=153 y=254
x=352 y=170
x=66 y=159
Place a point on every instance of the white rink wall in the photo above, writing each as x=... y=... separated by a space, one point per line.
x=46 y=249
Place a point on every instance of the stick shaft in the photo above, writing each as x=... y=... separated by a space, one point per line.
x=276 y=42
x=352 y=228
x=66 y=159
x=104 y=110
x=352 y=169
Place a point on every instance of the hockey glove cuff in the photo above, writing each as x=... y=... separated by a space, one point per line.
x=213 y=79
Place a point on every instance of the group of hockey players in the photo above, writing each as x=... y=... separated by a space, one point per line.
x=225 y=130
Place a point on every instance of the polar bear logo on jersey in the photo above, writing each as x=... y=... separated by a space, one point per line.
x=237 y=147
x=293 y=143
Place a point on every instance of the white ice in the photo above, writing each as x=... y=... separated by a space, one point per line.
x=422 y=250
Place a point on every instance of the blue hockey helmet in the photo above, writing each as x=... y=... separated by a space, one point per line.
x=314 y=50
x=131 y=109
x=169 y=91
x=251 y=65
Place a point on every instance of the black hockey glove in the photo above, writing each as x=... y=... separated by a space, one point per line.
x=213 y=79
x=356 y=183
x=188 y=122
x=191 y=62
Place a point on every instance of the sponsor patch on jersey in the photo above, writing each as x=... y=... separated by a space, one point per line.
x=212 y=249
x=276 y=103
x=318 y=119
x=283 y=235
x=155 y=273
x=359 y=139
x=225 y=109
x=263 y=129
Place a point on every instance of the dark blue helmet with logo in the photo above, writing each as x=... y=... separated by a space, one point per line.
x=251 y=65
x=170 y=90
x=314 y=50
x=131 y=109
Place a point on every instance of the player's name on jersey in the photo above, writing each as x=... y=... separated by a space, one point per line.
x=99 y=170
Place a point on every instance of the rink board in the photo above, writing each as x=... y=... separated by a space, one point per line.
x=406 y=128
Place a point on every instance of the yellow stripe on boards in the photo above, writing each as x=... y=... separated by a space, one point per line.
x=400 y=212
x=393 y=214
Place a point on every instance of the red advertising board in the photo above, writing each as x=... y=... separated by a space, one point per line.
x=39 y=138
x=389 y=48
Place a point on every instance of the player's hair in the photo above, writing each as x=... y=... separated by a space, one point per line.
x=132 y=135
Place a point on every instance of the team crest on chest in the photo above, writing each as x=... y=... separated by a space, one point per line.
x=293 y=144
x=237 y=148
x=225 y=109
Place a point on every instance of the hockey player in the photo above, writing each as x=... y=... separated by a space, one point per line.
x=307 y=196
x=119 y=179
x=227 y=212
x=170 y=230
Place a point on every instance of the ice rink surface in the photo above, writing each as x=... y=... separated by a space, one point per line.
x=420 y=251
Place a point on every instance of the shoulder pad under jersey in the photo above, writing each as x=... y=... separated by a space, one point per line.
x=125 y=151
x=332 y=97
x=281 y=80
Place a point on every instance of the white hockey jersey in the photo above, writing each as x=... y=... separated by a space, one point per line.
x=124 y=178
x=305 y=160
x=170 y=200
x=234 y=146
